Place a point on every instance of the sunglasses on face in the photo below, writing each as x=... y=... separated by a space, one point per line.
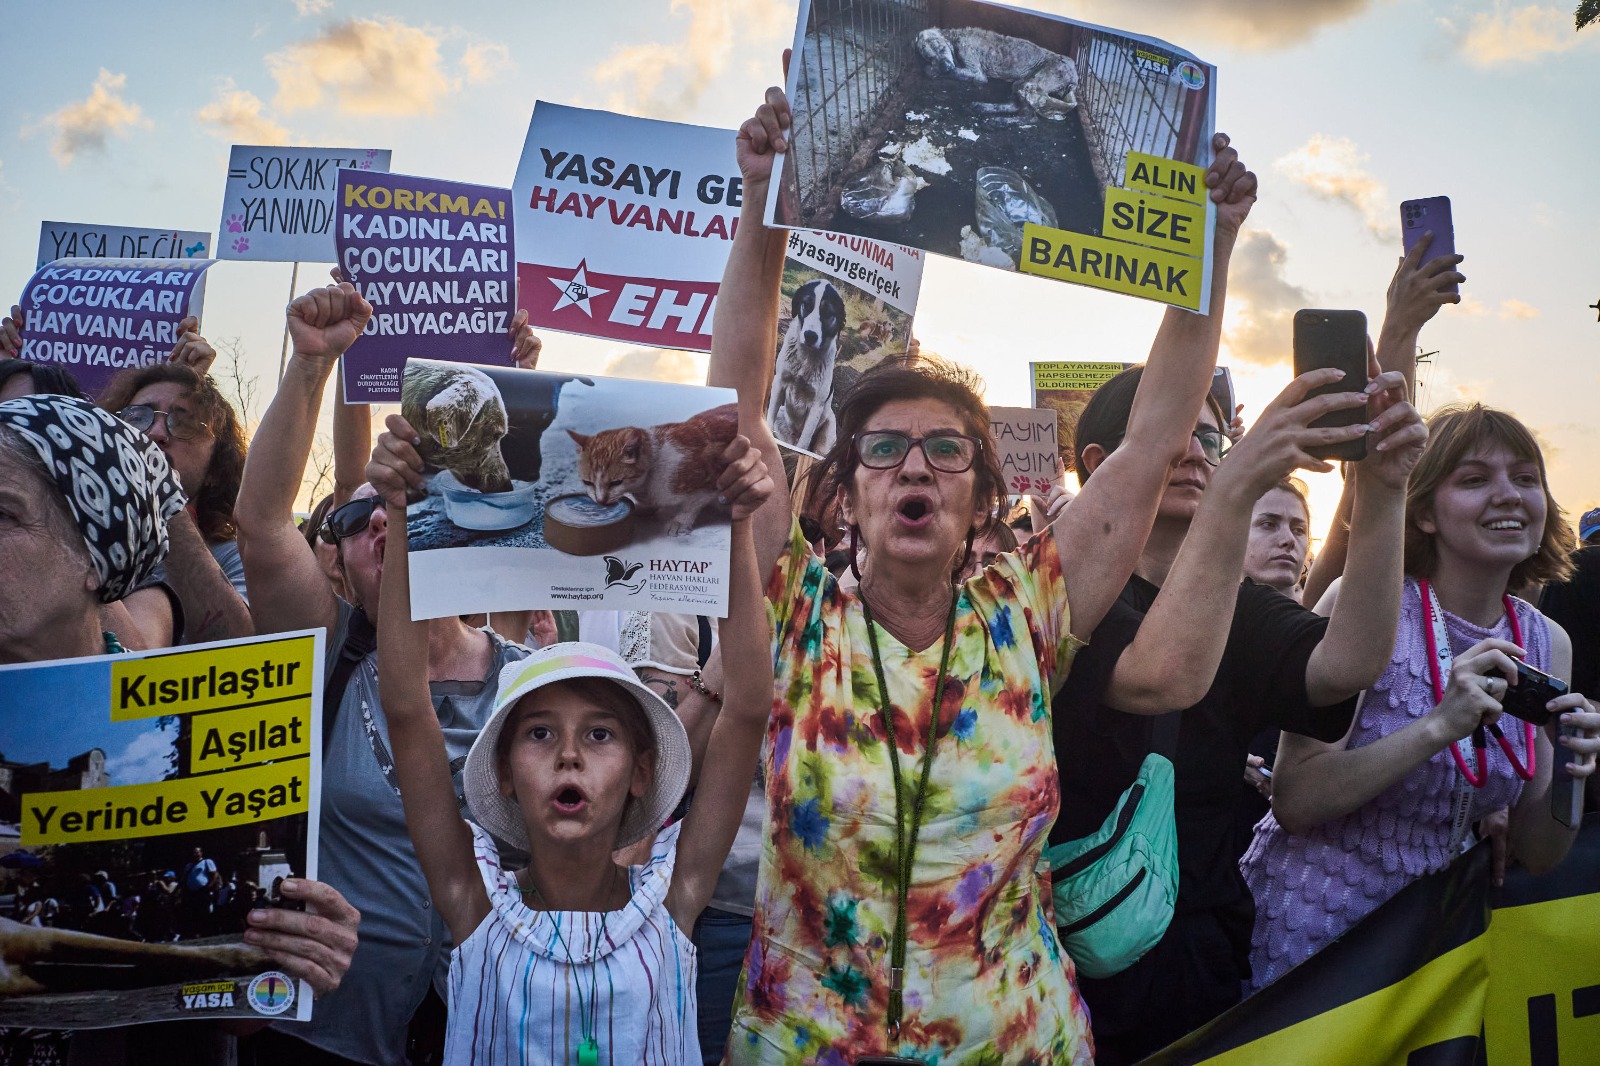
x=886 y=449
x=348 y=520
x=180 y=423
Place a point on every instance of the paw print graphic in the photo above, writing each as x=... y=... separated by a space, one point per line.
x=1042 y=484
x=235 y=223
x=366 y=164
x=241 y=244
x=1019 y=483
x=372 y=153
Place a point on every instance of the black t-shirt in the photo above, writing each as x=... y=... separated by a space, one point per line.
x=1575 y=606
x=1260 y=684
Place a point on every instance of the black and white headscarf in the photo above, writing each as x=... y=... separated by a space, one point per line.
x=115 y=480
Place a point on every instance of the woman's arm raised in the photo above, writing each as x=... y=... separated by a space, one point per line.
x=744 y=333
x=442 y=839
x=1103 y=533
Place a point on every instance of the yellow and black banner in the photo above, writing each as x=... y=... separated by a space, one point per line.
x=1447 y=973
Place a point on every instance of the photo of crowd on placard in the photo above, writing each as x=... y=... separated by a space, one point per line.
x=949 y=126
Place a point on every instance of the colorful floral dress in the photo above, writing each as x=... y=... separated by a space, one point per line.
x=986 y=980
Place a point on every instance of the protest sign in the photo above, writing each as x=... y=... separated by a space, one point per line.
x=434 y=260
x=94 y=317
x=623 y=225
x=1025 y=438
x=1010 y=138
x=159 y=797
x=1448 y=972
x=845 y=305
x=278 y=203
x=1222 y=392
x=81 y=240
x=559 y=490
x=1065 y=388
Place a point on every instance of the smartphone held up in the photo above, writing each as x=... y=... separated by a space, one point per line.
x=1336 y=339
x=1430 y=218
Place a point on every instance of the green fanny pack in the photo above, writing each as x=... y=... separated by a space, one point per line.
x=1115 y=889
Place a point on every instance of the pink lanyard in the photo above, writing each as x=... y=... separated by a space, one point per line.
x=1439 y=658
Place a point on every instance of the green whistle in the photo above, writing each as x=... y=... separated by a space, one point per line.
x=589 y=1052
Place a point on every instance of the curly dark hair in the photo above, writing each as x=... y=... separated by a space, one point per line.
x=919 y=377
x=214 y=501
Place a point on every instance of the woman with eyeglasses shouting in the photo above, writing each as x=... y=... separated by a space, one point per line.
x=1232 y=658
x=899 y=913
x=181 y=409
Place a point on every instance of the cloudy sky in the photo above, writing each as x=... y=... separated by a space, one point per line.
x=123 y=114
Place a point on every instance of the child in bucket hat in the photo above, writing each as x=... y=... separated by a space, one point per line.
x=574 y=959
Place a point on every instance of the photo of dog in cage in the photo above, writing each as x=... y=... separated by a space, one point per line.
x=948 y=125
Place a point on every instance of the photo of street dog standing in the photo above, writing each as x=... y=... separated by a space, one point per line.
x=544 y=490
x=954 y=125
x=846 y=304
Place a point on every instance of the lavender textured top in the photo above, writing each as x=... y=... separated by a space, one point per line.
x=1309 y=889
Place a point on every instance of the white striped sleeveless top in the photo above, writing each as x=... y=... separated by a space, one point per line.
x=515 y=987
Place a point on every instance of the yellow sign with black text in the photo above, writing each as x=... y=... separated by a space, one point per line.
x=1117 y=266
x=214 y=679
x=1155 y=221
x=185 y=805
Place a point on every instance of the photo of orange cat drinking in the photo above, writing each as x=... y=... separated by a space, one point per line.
x=669 y=470
x=538 y=488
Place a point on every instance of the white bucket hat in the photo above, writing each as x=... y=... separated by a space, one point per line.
x=500 y=814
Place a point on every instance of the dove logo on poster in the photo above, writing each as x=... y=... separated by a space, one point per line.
x=623 y=225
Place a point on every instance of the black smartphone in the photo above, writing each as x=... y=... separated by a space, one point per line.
x=1566 y=791
x=1337 y=339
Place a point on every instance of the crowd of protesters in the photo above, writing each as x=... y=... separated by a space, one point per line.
x=855 y=819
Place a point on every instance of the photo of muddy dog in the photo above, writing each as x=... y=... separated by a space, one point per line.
x=829 y=333
x=947 y=125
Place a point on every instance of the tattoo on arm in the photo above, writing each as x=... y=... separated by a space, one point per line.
x=665 y=687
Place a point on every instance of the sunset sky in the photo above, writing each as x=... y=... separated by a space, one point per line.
x=123 y=114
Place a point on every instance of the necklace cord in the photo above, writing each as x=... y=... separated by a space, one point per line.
x=588 y=1016
x=906 y=841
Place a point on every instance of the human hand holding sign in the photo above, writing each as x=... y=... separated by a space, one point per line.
x=316 y=944
x=1232 y=187
x=191 y=349
x=744 y=482
x=396 y=465
x=763 y=136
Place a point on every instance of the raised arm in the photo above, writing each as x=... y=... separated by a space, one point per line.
x=212 y=607
x=1416 y=292
x=442 y=839
x=288 y=588
x=745 y=644
x=1360 y=636
x=1173 y=659
x=744 y=333
x=1103 y=532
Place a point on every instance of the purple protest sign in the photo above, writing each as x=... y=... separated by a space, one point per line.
x=435 y=260
x=94 y=317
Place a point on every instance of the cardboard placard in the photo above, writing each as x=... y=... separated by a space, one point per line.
x=565 y=491
x=1011 y=138
x=846 y=304
x=434 y=259
x=278 y=203
x=83 y=240
x=1025 y=438
x=94 y=317
x=161 y=799
x=623 y=225
x=1065 y=388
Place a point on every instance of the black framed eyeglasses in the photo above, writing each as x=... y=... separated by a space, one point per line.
x=180 y=423
x=886 y=449
x=1213 y=443
x=348 y=520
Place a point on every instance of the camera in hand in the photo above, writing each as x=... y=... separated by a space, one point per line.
x=1533 y=689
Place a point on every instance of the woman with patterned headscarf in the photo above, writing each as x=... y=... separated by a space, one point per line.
x=84 y=504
